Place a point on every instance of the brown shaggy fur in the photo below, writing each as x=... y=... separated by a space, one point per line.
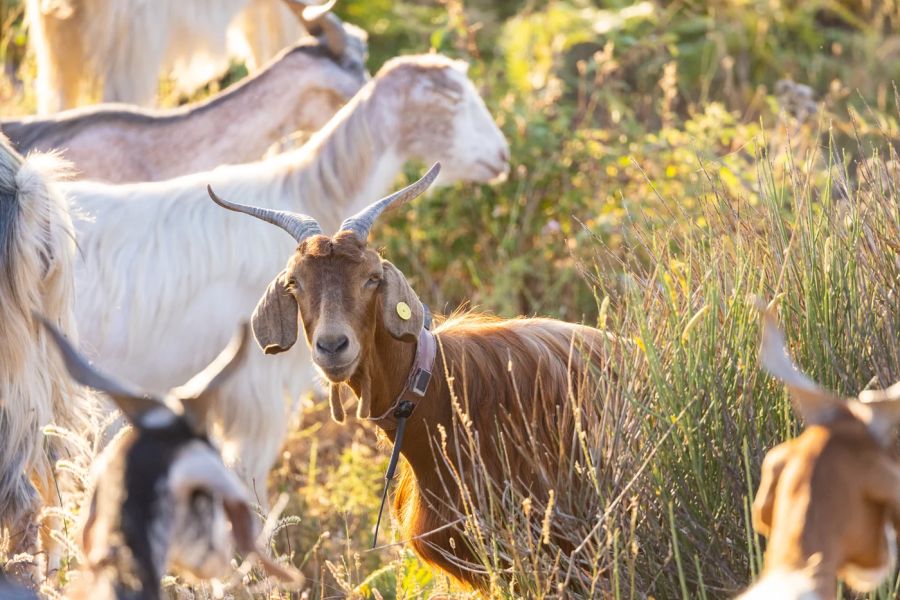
x=515 y=386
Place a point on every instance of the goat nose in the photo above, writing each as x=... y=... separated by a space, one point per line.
x=332 y=344
x=504 y=155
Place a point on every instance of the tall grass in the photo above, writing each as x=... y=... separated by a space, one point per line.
x=656 y=500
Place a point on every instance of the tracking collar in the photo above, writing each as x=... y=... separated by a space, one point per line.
x=416 y=382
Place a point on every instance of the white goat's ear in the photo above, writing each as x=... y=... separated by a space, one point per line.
x=402 y=311
x=243 y=530
x=198 y=466
x=199 y=394
x=133 y=404
x=275 y=318
x=814 y=404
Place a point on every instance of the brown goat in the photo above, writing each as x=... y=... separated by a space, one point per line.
x=828 y=500
x=513 y=383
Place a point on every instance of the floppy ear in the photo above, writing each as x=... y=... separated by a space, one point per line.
x=275 y=317
x=402 y=312
x=201 y=467
x=764 y=502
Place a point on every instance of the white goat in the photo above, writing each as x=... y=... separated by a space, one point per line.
x=162 y=494
x=162 y=263
x=123 y=45
x=301 y=89
x=36 y=260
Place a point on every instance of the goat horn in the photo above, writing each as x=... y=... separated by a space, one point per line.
x=198 y=394
x=335 y=34
x=311 y=13
x=299 y=226
x=132 y=403
x=814 y=404
x=362 y=222
x=318 y=20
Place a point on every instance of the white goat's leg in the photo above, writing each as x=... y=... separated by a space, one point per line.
x=132 y=76
x=61 y=63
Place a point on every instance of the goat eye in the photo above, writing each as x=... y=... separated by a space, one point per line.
x=373 y=281
x=293 y=285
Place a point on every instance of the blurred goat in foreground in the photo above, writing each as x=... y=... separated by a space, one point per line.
x=162 y=493
x=828 y=500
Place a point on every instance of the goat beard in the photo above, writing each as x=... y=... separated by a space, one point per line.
x=337 y=391
x=334 y=400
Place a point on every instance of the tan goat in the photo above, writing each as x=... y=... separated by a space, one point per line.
x=365 y=327
x=828 y=500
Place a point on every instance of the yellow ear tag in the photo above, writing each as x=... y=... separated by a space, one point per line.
x=404 y=311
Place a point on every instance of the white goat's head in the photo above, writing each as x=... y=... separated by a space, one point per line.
x=444 y=119
x=828 y=499
x=163 y=495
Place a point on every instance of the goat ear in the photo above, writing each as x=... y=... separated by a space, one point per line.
x=275 y=317
x=402 y=312
x=243 y=528
x=133 y=404
x=199 y=466
x=199 y=394
x=879 y=410
x=814 y=404
x=764 y=502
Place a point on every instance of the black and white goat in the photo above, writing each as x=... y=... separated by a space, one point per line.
x=162 y=494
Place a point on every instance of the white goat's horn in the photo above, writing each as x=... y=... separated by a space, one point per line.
x=318 y=20
x=132 y=403
x=814 y=404
x=198 y=394
x=299 y=226
x=362 y=222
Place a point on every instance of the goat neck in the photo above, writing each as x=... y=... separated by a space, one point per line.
x=234 y=115
x=383 y=376
x=354 y=157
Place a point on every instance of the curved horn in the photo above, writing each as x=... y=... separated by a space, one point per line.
x=362 y=222
x=132 y=403
x=198 y=394
x=299 y=226
x=335 y=34
x=318 y=20
x=814 y=404
x=313 y=12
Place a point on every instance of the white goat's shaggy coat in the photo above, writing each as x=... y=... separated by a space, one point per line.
x=123 y=45
x=161 y=262
x=36 y=259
